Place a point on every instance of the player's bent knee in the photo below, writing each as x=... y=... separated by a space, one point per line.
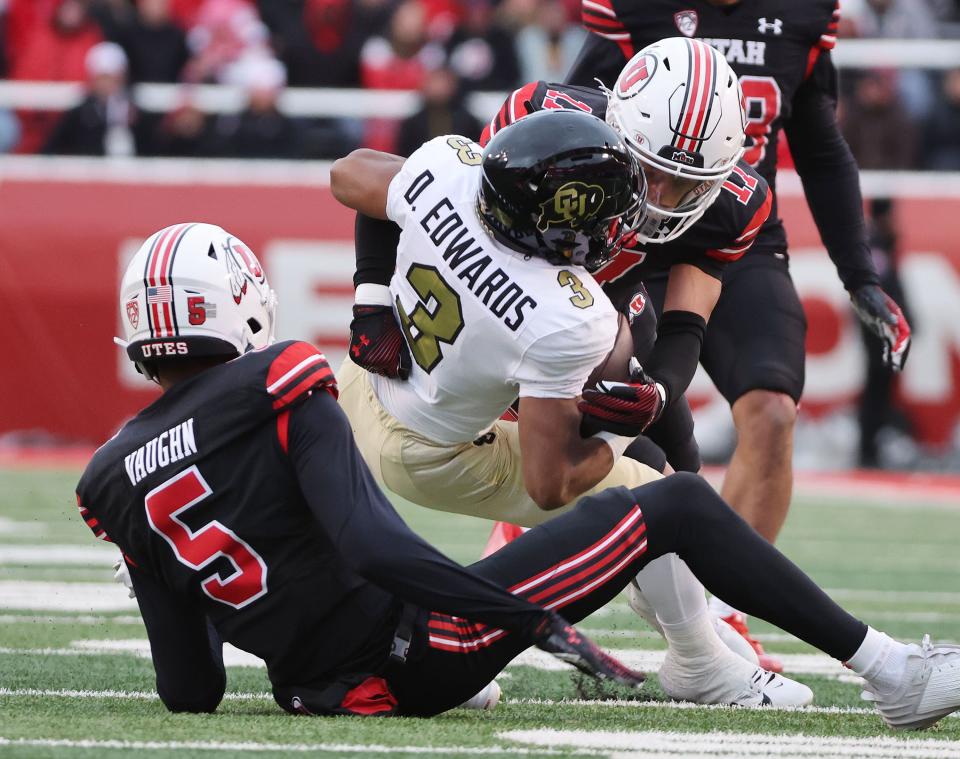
x=201 y=704
x=764 y=415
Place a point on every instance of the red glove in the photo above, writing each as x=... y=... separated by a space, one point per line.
x=624 y=408
x=882 y=316
x=377 y=343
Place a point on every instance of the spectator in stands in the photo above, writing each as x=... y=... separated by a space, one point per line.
x=548 y=48
x=320 y=40
x=876 y=125
x=260 y=131
x=47 y=40
x=227 y=34
x=106 y=122
x=400 y=60
x=897 y=19
x=184 y=132
x=442 y=112
x=941 y=143
x=155 y=46
x=482 y=51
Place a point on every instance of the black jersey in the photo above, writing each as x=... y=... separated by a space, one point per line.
x=724 y=233
x=780 y=49
x=240 y=493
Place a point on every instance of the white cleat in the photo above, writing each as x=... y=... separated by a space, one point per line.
x=728 y=679
x=930 y=688
x=486 y=700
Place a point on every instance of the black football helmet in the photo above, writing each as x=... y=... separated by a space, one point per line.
x=561 y=185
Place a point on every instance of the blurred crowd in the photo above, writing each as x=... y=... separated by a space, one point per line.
x=442 y=48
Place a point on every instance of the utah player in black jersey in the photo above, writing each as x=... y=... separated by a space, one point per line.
x=754 y=347
x=245 y=514
x=705 y=207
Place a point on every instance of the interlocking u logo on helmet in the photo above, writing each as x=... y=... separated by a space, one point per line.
x=571 y=205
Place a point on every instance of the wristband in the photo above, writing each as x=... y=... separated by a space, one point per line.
x=369 y=294
x=617 y=443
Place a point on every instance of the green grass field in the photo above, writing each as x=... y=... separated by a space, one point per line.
x=74 y=681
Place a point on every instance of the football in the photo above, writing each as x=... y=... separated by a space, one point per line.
x=616 y=365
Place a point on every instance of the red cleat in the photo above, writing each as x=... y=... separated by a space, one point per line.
x=502 y=533
x=739 y=623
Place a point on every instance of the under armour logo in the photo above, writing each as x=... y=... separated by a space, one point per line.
x=764 y=26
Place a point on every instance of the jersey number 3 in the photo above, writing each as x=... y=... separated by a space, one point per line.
x=167 y=504
x=437 y=317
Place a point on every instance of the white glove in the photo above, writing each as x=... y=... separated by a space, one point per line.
x=122 y=575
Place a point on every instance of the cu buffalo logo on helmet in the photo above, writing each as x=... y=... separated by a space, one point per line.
x=572 y=205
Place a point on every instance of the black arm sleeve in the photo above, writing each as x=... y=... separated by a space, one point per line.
x=372 y=538
x=599 y=58
x=675 y=355
x=187 y=652
x=376 y=244
x=831 y=180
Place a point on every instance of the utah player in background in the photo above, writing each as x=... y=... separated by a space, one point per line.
x=245 y=514
x=754 y=347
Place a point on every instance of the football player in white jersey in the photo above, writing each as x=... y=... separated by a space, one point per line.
x=495 y=300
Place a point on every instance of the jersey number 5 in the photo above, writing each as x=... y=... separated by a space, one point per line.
x=167 y=504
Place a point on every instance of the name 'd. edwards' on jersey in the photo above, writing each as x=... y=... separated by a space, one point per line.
x=166 y=448
x=504 y=298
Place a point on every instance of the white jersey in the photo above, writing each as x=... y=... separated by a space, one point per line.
x=484 y=323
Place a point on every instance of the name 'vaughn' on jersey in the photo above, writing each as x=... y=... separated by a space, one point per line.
x=484 y=323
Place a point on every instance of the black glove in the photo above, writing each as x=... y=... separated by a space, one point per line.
x=557 y=637
x=377 y=343
x=882 y=316
x=623 y=408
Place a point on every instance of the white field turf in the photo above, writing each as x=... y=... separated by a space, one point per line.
x=76 y=680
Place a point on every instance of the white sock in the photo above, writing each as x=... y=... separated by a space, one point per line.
x=881 y=660
x=722 y=609
x=680 y=604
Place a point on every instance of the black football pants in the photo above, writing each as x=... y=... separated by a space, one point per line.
x=581 y=560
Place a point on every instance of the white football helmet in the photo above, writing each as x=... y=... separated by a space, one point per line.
x=194 y=290
x=678 y=106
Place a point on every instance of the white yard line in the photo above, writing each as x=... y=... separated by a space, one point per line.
x=37 y=595
x=657 y=743
x=124 y=695
x=302 y=748
x=13 y=527
x=58 y=555
x=69 y=619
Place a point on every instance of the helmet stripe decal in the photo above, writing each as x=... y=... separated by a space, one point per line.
x=678 y=140
x=146 y=283
x=708 y=88
x=153 y=310
x=693 y=117
x=169 y=276
x=158 y=262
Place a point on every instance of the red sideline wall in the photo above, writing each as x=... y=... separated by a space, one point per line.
x=65 y=227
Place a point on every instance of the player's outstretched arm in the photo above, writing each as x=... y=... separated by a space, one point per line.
x=361 y=179
x=187 y=652
x=831 y=183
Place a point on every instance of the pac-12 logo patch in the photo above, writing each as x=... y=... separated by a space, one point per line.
x=687 y=22
x=133 y=313
x=572 y=204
